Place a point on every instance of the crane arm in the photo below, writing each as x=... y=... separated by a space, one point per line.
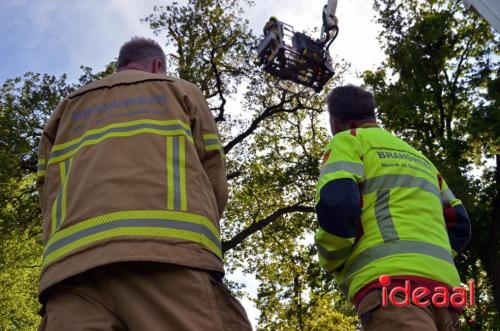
x=330 y=28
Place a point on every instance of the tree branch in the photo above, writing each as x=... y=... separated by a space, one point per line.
x=270 y=111
x=257 y=226
x=218 y=79
x=458 y=72
x=493 y=247
x=233 y=175
x=438 y=95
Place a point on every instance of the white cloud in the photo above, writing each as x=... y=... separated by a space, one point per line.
x=58 y=36
x=357 y=40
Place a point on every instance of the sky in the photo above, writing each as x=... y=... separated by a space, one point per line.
x=57 y=36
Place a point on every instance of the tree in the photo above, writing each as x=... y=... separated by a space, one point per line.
x=437 y=70
x=431 y=90
x=273 y=142
x=25 y=105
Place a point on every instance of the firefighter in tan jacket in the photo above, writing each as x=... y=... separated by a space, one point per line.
x=132 y=183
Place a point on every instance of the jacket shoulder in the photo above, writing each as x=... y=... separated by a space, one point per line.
x=184 y=84
x=381 y=138
x=127 y=77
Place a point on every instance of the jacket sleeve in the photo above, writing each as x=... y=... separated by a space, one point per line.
x=209 y=147
x=456 y=218
x=338 y=201
x=44 y=149
x=43 y=155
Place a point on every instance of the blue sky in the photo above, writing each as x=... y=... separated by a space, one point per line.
x=57 y=36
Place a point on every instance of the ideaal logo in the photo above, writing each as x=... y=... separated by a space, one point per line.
x=418 y=295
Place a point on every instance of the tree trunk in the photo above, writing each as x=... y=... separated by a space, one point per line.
x=494 y=243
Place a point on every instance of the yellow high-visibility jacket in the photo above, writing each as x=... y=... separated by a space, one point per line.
x=131 y=168
x=400 y=229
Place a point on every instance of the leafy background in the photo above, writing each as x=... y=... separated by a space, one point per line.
x=437 y=87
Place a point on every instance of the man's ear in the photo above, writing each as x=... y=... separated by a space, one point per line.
x=157 y=67
x=335 y=126
x=161 y=68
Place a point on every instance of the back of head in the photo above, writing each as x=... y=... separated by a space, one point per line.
x=351 y=103
x=140 y=51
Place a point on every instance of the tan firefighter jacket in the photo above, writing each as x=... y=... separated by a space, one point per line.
x=131 y=168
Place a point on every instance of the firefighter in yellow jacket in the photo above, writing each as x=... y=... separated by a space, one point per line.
x=132 y=183
x=384 y=209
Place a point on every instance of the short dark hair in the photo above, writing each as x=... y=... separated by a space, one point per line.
x=350 y=102
x=139 y=49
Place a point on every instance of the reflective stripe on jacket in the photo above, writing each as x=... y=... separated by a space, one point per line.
x=131 y=168
x=402 y=230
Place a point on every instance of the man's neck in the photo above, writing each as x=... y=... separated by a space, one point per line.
x=132 y=67
x=368 y=125
x=352 y=125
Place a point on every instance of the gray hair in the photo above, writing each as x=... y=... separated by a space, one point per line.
x=139 y=49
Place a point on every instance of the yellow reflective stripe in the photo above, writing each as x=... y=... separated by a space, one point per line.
x=41 y=167
x=332 y=250
x=61 y=212
x=393 y=181
x=170 y=174
x=141 y=223
x=397 y=247
x=56 y=206
x=118 y=125
x=64 y=202
x=91 y=137
x=338 y=254
x=212 y=147
x=176 y=173
x=212 y=143
x=60 y=202
x=149 y=232
x=136 y=214
x=62 y=172
x=54 y=216
x=208 y=136
x=182 y=172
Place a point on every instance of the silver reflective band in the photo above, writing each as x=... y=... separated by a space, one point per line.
x=352 y=167
x=41 y=167
x=392 y=181
x=211 y=142
x=375 y=253
x=383 y=216
x=176 y=173
x=59 y=207
x=448 y=195
x=335 y=255
x=59 y=198
x=160 y=127
x=149 y=223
